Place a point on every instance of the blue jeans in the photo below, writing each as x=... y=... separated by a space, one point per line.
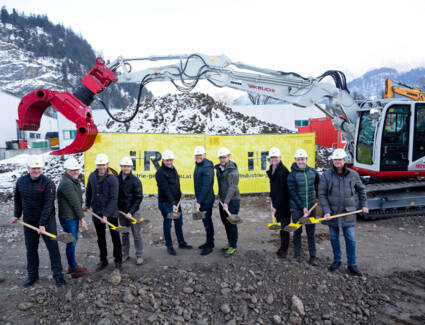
x=165 y=209
x=208 y=223
x=350 y=244
x=71 y=226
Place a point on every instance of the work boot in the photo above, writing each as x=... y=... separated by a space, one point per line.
x=296 y=259
x=78 y=272
x=171 y=251
x=125 y=258
x=30 y=281
x=313 y=261
x=185 y=246
x=207 y=250
x=139 y=260
x=100 y=266
x=118 y=266
x=60 y=281
x=334 y=266
x=230 y=251
x=225 y=248
x=354 y=271
x=281 y=253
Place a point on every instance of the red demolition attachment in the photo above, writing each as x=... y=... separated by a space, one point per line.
x=75 y=107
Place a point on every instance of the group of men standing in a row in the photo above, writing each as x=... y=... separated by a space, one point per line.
x=116 y=199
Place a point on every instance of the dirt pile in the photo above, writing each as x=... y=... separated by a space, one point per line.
x=250 y=289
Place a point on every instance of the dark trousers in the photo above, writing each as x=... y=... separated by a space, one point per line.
x=296 y=215
x=101 y=240
x=231 y=229
x=208 y=223
x=165 y=209
x=32 y=239
x=284 y=217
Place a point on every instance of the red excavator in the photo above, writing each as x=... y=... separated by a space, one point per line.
x=385 y=138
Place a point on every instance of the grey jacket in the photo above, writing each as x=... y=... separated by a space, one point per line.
x=228 y=180
x=337 y=194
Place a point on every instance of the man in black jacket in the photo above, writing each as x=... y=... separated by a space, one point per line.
x=102 y=197
x=203 y=178
x=34 y=199
x=169 y=196
x=129 y=200
x=279 y=196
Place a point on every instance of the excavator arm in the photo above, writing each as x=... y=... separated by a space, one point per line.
x=185 y=74
x=411 y=92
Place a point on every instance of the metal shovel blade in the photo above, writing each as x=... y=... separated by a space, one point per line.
x=198 y=215
x=292 y=227
x=309 y=220
x=235 y=219
x=275 y=226
x=65 y=238
x=174 y=215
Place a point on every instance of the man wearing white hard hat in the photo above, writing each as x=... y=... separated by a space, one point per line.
x=279 y=196
x=169 y=196
x=71 y=215
x=34 y=198
x=203 y=180
x=338 y=189
x=102 y=197
x=303 y=182
x=228 y=193
x=129 y=199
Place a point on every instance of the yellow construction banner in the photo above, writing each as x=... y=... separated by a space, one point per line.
x=249 y=152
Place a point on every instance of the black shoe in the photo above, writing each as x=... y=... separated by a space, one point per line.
x=354 y=271
x=207 y=250
x=118 y=266
x=281 y=253
x=334 y=266
x=101 y=265
x=313 y=261
x=60 y=282
x=30 y=281
x=203 y=246
x=185 y=246
x=171 y=251
x=296 y=259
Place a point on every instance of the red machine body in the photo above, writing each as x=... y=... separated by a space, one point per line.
x=75 y=107
x=326 y=134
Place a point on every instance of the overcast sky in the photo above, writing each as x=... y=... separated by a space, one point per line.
x=307 y=37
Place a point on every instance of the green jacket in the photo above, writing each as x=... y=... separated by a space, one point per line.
x=70 y=198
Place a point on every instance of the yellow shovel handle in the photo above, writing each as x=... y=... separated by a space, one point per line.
x=36 y=229
x=107 y=222
x=133 y=220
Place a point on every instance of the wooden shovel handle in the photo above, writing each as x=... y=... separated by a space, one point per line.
x=311 y=209
x=344 y=214
x=96 y=216
x=36 y=229
x=227 y=210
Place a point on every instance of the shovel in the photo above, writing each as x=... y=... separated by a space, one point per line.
x=133 y=220
x=198 y=215
x=310 y=221
x=274 y=226
x=64 y=237
x=233 y=218
x=112 y=226
x=175 y=214
x=294 y=226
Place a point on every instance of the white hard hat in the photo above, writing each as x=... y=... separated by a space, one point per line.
x=274 y=152
x=168 y=154
x=101 y=159
x=223 y=152
x=71 y=164
x=338 y=154
x=126 y=161
x=35 y=162
x=300 y=153
x=199 y=150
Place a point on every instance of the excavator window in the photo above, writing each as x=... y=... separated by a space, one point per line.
x=364 y=153
x=395 y=138
x=419 y=135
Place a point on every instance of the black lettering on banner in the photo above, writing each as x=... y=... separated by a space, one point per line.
x=156 y=157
